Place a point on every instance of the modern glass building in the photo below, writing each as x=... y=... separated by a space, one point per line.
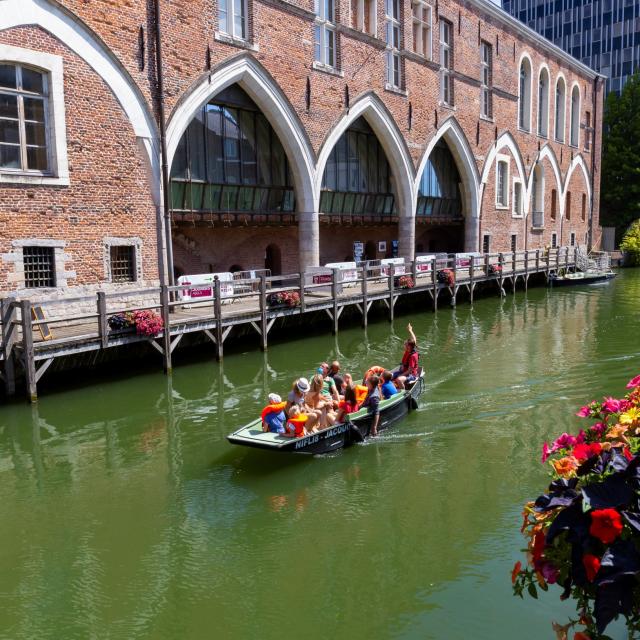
x=603 y=34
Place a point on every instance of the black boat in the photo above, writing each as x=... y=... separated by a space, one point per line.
x=355 y=429
x=580 y=277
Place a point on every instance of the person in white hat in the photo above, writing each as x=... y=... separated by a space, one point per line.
x=297 y=397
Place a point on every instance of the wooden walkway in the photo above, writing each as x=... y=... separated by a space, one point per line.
x=24 y=352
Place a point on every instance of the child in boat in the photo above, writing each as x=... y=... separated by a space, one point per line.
x=408 y=370
x=388 y=389
x=297 y=422
x=372 y=402
x=328 y=385
x=334 y=369
x=348 y=405
x=273 y=415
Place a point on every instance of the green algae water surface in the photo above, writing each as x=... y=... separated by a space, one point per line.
x=125 y=514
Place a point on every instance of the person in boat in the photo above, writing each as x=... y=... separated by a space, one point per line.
x=273 y=415
x=297 y=400
x=340 y=385
x=296 y=425
x=316 y=400
x=388 y=389
x=372 y=403
x=328 y=385
x=348 y=405
x=407 y=372
x=334 y=369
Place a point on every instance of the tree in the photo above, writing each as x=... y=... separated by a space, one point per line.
x=620 y=181
x=631 y=243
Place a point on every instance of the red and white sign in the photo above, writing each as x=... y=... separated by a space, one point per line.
x=201 y=286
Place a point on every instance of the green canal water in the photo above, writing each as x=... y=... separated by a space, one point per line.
x=125 y=514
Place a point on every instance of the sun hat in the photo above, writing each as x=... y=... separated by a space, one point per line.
x=274 y=398
x=303 y=385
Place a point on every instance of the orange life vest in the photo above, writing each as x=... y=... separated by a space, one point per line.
x=298 y=422
x=375 y=370
x=361 y=393
x=273 y=408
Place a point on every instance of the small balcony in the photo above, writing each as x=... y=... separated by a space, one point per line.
x=537 y=219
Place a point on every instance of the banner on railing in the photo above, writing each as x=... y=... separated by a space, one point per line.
x=398 y=263
x=423 y=263
x=348 y=270
x=200 y=286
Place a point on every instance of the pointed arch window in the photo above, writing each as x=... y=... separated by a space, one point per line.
x=574 y=135
x=560 y=109
x=524 y=96
x=543 y=103
x=439 y=190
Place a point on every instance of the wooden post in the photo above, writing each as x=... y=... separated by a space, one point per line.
x=557 y=259
x=392 y=272
x=455 y=273
x=414 y=272
x=335 y=275
x=264 y=329
x=575 y=257
x=434 y=281
x=217 y=307
x=537 y=260
x=472 y=263
x=566 y=258
x=365 y=297
x=166 y=332
x=501 y=274
x=8 y=313
x=103 y=327
x=486 y=265
x=27 y=350
x=548 y=266
x=301 y=287
x=526 y=269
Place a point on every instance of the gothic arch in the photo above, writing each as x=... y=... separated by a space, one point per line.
x=451 y=132
x=578 y=163
x=508 y=141
x=548 y=153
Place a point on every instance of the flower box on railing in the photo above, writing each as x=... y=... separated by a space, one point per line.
x=283 y=299
x=446 y=276
x=145 y=323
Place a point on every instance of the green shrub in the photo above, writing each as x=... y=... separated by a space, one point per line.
x=631 y=243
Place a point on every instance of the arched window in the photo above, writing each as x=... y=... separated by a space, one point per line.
x=357 y=177
x=23 y=119
x=439 y=191
x=543 y=103
x=231 y=160
x=567 y=206
x=575 y=116
x=524 y=98
x=537 y=189
x=560 y=109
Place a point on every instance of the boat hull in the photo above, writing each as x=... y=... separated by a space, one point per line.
x=561 y=281
x=340 y=435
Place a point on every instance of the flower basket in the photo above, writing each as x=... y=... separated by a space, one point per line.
x=584 y=532
x=404 y=282
x=284 y=299
x=145 y=323
x=446 y=276
x=495 y=269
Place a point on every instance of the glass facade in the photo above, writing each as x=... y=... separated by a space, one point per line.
x=439 y=192
x=603 y=34
x=231 y=160
x=357 y=178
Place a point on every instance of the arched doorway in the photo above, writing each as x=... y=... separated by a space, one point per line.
x=273 y=259
x=440 y=210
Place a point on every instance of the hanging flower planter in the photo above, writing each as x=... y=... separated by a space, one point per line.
x=446 y=276
x=145 y=323
x=404 y=282
x=284 y=299
x=584 y=532
x=495 y=269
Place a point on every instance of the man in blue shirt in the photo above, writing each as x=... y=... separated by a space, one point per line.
x=388 y=388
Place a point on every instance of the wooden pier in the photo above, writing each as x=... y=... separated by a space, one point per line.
x=24 y=353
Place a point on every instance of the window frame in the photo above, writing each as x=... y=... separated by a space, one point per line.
x=393 y=38
x=111 y=242
x=514 y=212
x=544 y=70
x=486 y=240
x=557 y=138
x=56 y=138
x=323 y=26
x=554 y=240
x=229 y=27
x=447 y=96
x=486 y=80
x=503 y=160
x=52 y=253
x=422 y=25
x=362 y=8
x=524 y=110
x=574 y=120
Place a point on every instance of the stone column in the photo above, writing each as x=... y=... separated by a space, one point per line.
x=308 y=239
x=407 y=235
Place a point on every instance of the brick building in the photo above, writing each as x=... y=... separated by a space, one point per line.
x=293 y=130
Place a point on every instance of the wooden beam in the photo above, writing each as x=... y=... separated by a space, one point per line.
x=263 y=312
x=175 y=342
x=43 y=367
x=365 y=293
x=103 y=327
x=8 y=314
x=217 y=307
x=166 y=334
x=27 y=351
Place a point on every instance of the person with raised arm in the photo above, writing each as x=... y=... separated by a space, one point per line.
x=407 y=372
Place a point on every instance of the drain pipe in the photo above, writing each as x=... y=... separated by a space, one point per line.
x=163 y=146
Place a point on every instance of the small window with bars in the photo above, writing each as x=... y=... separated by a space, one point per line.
x=39 y=267
x=486 y=243
x=123 y=263
x=514 y=243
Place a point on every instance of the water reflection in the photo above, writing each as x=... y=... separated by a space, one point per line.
x=124 y=508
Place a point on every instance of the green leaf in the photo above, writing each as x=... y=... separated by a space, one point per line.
x=533 y=592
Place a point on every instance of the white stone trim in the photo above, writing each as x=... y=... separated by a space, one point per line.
x=525 y=56
x=16 y=257
x=459 y=146
x=546 y=152
x=543 y=67
x=575 y=85
x=500 y=157
x=578 y=162
x=562 y=140
x=134 y=242
x=514 y=213
x=55 y=118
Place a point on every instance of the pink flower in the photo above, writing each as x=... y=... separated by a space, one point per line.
x=598 y=428
x=546 y=452
x=634 y=382
x=580 y=438
x=584 y=412
x=565 y=441
x=611 y=405
x=549 y=572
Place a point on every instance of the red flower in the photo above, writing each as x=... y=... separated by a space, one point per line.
x=581 y=635
x=627 y=453
x=583 y=452
x=591 y=565
x=606 y=525
x=538 y=546
x=517 y=568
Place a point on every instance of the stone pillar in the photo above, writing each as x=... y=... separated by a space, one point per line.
x=407 y=236
x=308 y=239
x=471 y=229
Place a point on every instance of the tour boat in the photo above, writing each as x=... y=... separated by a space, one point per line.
x=355 y=429
x=580 y=277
